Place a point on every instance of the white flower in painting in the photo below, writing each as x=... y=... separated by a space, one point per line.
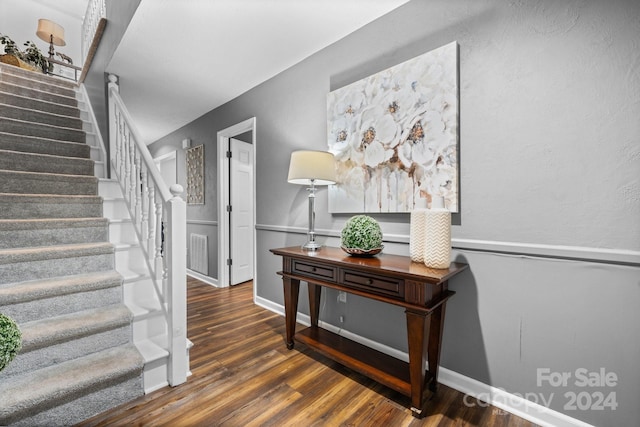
x=385 y=129
x=423 y=155
x=432 y=119
x=342 y=135
x=353 y=180
x=349 y=104
x=375 y=154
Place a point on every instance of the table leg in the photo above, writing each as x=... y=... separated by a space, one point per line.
x=417 y=327
x=314 y=302
x=291 y=290
x=435 y=344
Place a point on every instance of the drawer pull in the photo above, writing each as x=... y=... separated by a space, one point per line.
x=370 y=282
x=313 y=269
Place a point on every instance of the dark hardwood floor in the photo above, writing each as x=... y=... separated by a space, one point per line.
x=243 y=375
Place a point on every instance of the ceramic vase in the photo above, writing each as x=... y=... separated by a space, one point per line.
x=437 y=251
x=417 y=228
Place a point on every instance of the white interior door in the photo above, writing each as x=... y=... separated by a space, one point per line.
x=241 y=216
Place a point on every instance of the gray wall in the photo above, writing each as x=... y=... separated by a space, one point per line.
x=549 y=219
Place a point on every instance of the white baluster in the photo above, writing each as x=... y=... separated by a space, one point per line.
x=132 y=177
x=152 y=223
x=138 y=191
x=144 y=223
x=159 y=237
x=127 y=167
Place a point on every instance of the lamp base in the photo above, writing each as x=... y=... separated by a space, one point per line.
x=311 y=246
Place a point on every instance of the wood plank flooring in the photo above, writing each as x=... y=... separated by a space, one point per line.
x=243 y=375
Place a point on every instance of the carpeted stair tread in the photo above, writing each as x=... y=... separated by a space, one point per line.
x=47 y=163
x=23 y=182
x=24 y=206
x=35 y=93
x=36 y=391
x=20 y=233
x=36 y=81
x=36 y=75
x=47 y=223
x=25 y=127
x=48 y=288
x=41 y=145
x=17 y=100
x=43 y=117
x=40 y=253
x=46 y=332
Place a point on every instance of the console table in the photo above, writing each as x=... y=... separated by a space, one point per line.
x=393 y=279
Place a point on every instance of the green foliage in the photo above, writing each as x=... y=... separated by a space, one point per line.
x=31 y=54
x=34 y=56
x=10 y=340
x=10 y=47
x=362 y=232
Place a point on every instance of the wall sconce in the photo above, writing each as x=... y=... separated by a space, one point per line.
x=186 y=143
x=312 y=168
x=52 y=33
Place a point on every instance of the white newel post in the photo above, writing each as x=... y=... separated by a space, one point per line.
x=177 y=292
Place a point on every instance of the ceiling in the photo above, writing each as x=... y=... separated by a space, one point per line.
x=180 y=59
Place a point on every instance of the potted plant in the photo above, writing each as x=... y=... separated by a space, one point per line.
x=31 y=58
x=10 y=340
x=361 y=236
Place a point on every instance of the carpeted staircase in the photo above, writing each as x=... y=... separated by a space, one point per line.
x=57 y=276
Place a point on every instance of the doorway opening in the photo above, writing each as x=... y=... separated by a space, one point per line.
x=168 y=167
x=236 y=204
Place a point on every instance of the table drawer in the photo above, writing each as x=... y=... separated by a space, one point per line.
x=310 y=269
x=380 y=284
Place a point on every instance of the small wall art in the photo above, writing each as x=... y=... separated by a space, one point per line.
x=195 y=175
x=395 y=136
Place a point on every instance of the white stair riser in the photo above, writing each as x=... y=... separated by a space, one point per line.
x=92 y=140
x=122 y=232
x=139 y=292
x=130 y=259
x=148 y=327
x=115 y=209
x=109 y=189
x=155 y=375
x=99 y=170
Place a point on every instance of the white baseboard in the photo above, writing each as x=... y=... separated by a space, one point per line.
x=475 y=390
x=206 y=279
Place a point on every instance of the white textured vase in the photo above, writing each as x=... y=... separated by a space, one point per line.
x=417 y=228
x=437 y=251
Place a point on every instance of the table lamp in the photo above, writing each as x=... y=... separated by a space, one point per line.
x=312 y=168
x=52 y=33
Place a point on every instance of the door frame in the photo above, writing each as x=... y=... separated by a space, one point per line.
x=223 y=198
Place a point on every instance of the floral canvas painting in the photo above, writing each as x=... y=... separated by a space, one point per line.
x=395 y=136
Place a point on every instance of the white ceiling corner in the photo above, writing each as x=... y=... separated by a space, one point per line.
x=180 y=59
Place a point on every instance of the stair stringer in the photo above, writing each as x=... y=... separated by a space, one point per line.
x=140 y=296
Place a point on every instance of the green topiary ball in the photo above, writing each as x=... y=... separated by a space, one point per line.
x=10 y=340
x=362 y=232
